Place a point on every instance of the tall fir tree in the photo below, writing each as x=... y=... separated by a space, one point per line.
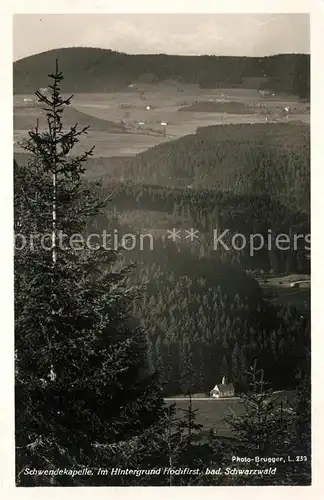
x=82 y=383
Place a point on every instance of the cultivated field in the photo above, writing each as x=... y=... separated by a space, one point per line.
x=122 y=126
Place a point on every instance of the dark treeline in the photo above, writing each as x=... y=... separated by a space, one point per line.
x=208 y=211
x=99 y=70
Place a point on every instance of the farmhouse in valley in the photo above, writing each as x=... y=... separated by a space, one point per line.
x=223 y=390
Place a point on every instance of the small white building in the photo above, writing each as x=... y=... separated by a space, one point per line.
x=223 y=390
x=28 y=102
x=300 y=284
x=148 y=108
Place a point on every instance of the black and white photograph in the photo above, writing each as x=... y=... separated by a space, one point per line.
x=162 y=249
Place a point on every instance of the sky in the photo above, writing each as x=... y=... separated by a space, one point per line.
x=188 y=34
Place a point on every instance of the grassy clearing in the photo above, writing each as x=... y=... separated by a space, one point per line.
x=279 y=290
x=282 y=281
x=211 y=412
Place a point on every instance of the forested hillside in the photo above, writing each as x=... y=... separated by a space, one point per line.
x=100 y=70
x=271 y=159
x=207 y=318
x=202 y=313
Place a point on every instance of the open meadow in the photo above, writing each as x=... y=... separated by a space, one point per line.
x=211 y=413
x=121 y=124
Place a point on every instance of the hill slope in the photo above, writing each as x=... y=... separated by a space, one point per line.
x=100 y=70
x=25 y=119
x=257 y=158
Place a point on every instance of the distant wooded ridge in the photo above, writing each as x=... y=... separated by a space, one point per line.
x=99 y=70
